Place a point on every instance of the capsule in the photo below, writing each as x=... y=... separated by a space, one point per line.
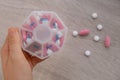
x=61 y=41
x=33 y=22
x=54 y=48
x=107 y=41
x=24 y=35
x=84 y=32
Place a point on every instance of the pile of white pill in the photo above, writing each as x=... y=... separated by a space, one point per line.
x=96 y=38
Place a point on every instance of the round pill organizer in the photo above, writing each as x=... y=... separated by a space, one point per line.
x=43 y=33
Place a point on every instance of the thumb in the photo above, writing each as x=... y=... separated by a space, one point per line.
x=14 y=43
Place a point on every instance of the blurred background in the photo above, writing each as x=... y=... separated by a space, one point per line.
x=70 y=63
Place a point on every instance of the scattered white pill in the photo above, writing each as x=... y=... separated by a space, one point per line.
x=96 y=38
x=75 y=33
x=58 y=42
x=99 y=27
x=87 y=53
x=60 y=34
x=49 y=51
x=94 y=15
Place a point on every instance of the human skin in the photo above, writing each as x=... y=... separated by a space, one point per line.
x=16 y=64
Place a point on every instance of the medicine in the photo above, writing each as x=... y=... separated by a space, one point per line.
x=84 y=32
x=55 y=25
x=107 y=41
x=42 y=34
x=99 y=27
x=75 y=33
x=59 y=34
x=24 y=35
x=58 y=42
x=87 y=53
x=49 y=51
x=94 y=15
x=96 y=38
x=29 y=41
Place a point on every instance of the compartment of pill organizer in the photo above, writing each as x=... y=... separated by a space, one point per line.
x=43 y=16
x=56 y=23
x=39 y=53
x=58 y=38
x=30 y=23
x=49 y=48
x=27 y=37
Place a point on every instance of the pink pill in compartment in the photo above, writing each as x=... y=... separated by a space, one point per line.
x=32 y=24
x=84 y=32
x=107 y=41
x=26 y=25
x=24 y=37
x=61 y=41
x=58 y=24
x=48 y=16
x=29 y=34
x=54 y=48
x=45 y=16
x=54 y=38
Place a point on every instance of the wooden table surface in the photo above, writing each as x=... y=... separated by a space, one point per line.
x=70 y=63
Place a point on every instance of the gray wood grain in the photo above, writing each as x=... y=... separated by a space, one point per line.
x=70 y=63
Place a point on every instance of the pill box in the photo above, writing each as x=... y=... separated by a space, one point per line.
x=42 y=34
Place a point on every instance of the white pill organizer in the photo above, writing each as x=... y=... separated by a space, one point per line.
x=43 y=33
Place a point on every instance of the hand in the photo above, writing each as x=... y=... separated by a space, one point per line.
x=16 y=64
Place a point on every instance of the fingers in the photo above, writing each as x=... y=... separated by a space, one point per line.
x=4 y=53
x=14 y=43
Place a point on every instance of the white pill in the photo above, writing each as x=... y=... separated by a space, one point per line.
x=56 y=24
x=99 y=27
x=60 y=34
x=49 y=51
x=75 y=33
x=94 y=15
x=96 y=38
x=87 y=53
x=29 y=40
x=58 y=42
